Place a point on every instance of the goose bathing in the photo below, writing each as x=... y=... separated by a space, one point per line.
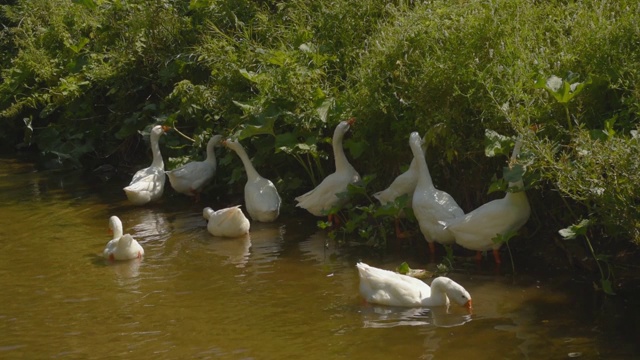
x=227 y=222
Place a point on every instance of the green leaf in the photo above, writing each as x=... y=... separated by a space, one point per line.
x=514 y=173
x=285 y=142
x=323 y=109
x=503 y=238
x=496 y=144
x=245 y=107
x=498 y=185
x=607 y=287
x=249 y=75
x=90 y=4
x=253 y=130
x=575 y=230
x=403 y=268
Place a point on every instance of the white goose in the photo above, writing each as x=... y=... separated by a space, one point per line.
x=431 y=205
x=476 y=229
x=405 y=183
x=121 y=247
x=227 y=222
x=115 y=228
x=319 y=200
x=384 y=287
x=260 y=195
x=148 y=184
x=190 y=178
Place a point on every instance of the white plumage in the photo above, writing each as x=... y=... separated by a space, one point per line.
x=260 y=195
x=384 y=287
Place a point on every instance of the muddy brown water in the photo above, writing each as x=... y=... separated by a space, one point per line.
x=278 y=293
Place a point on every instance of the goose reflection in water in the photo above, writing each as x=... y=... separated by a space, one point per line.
x=126 y=269
x=266 y=242
x=235 y=250
x=375 y=316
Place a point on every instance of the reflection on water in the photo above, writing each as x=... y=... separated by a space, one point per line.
x=234 y=251
x=283 y=291
x=389 y=316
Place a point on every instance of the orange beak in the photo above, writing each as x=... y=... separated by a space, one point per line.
x=166 y=128
x=351 y=121
x=468 y=305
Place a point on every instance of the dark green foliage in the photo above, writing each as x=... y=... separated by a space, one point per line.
x=81 y=78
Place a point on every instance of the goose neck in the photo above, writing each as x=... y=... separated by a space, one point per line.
x=155 y=151
x=211 y=154
x=248 y=166
x=338 y=151
x=438 y=295
x=424 y=176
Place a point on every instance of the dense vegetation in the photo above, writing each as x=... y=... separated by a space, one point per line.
x=81 y=78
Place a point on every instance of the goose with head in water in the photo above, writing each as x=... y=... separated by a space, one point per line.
x=384 y=287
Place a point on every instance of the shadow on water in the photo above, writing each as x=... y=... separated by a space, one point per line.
x=284 y=290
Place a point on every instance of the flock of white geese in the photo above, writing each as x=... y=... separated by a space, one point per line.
x=440 y=218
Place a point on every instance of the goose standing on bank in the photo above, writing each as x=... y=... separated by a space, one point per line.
x=260 y=195
x=477 y=229
x=148 y=183
x=384 y=287
x=190 y=178
x=324 y=196
x=121 y=247
x=405 y=183
x=431 y=205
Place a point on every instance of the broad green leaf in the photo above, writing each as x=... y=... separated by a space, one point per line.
x=514 y=173
x=285 y=142
x=253 y=130
x=245 y=107
x=496 y=144
x=323 y=109
x=81 y=44
x=249 y=75
x=575 y=230
x=498 y=185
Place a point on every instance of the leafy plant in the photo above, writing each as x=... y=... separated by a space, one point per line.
x=564 y=90
x=580 y=229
